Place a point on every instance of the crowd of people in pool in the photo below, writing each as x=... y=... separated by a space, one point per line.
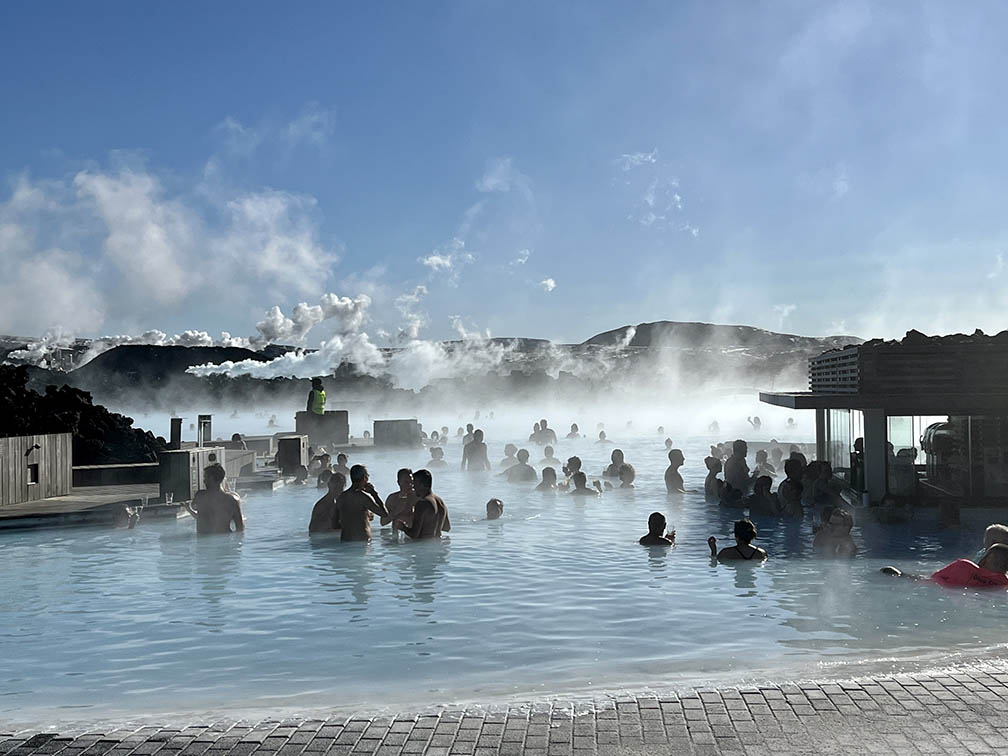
x=351 y=502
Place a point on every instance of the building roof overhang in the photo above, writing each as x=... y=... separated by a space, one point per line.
x=906 y=403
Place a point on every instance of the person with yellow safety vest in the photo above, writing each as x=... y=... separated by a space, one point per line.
x=316 y=398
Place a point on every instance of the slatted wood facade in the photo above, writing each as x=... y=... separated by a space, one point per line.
x=54 y=458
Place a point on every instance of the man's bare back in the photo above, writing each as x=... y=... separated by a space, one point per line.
x=430 y=518
x=355 y=509
x=215 y=510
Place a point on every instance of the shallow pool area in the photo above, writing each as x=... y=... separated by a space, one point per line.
x=556 y=597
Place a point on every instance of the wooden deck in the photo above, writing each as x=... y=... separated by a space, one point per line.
x=90 y=505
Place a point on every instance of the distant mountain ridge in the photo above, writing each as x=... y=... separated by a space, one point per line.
x=685 y=334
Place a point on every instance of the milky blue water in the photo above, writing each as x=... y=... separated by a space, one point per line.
x=556 y=597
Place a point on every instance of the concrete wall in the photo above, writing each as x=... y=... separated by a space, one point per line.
x=116 y=475
x=397 y=433
x=181 y=472
x=331 y=428
x=52 y=461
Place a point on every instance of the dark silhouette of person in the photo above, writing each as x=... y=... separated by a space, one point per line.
x=762 y=501
x=656 y=535
x=789 y=492
x=673 y=478
x=549 y=480
x=521 y=471
x=325 y=513
x=580 y=481
x=341 y=465
x=736 y=470
x=509 y=456
x=612 y=471
x=546 y=434
x=713 y=485
x=430 y=515
x=215 y=509
x=358 y=505
x=534 y=435
x=763 y=466
x=745 y=534
x=494 y=509
x=437 y=457
x=627 y=475
x=474 y=454
x=399 y=504
x=469 y=434
x=602 y=438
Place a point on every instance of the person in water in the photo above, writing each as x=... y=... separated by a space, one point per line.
x=617 y=459
x=713 y=485
x=325 y=514
x=474 y=454
x=521 y=471
x=745 y=534
x=602 y=438
x=789 y=492
x=358 y=505
x=534 y=436
x=575 y=432
x=761 y=500
x=316 y=398
x=580 y=481
x=215 y=509
x=549 y=480
x=834 y=537
x=494 y=509
x=437 y=457
x=668 y=444
x=990 y=572
x=546 y=434
x=548 y=459
x=399 y=504
x=627 y=475
x=341 y=465
x=656 y=535
x=323 y=479
x=736 y=470
x=510 y=450
x=470 y=434
x=430 y=515
x=673 y=478
x=763 y=466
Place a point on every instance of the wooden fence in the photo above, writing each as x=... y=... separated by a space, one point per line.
x=35 y=467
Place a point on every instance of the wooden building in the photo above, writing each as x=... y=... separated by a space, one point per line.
x=35 y=467
x=923 y=417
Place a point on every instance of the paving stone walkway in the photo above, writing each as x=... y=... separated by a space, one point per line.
x=961 y=712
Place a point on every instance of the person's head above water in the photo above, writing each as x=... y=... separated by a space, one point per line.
x=574 y=428
x=536 y=428
x=422 y=482
x=579 y=479
x=341 y=459
x=761 y=456
x=713 y=464
x=745 y=531
x=549 y=475
x=761 y=486
x=358 y=475
x=548 y=452
x=494 y=509
x=510 y=450
x=523 y=456
x=739 y=447
x=996 y=533
x=437 y=452
x=668 y=443
x=214 y=474
x=995 y=559
x=617 y=457
x=404 y=478
x=840 y=520
x=469 y=427
x=627 y=474
x=601 y=436
x=337 y=483
x=676 y=458
x=573 y=465
x=542 y=424
x=478 y=436
x=656 y=524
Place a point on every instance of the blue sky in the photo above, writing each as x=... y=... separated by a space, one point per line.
x=540 y=169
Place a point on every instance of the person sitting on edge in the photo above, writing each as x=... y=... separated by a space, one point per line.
x=214 y=508
x=549 y=480
x=834 y=537
x=761 y=500
x=602 y=438
x=430 y=515
x=358 y=505
x=534 y=436
x=546 y=434
x=521 y=471
x=325 y=514
x=574 y=431
x=509 y=456
x=745 y=534
x=612 y=471
x=316 y=398
x=713 y=485
x=548 y=459
x=990 y=572
x=580 y=481
x=656 y=535
x=789 y=492
x=673 y=479
x=323 y=479
x=736 y=470
x=399 y=504
x=494 y=509
x=627 y=474
x=437 y=457
x=341 y=465
x=474 y=454
x=763 y=467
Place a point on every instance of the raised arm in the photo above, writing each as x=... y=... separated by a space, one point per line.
x=236 y=516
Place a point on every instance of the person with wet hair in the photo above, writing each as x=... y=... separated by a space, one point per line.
x=510 y=450
x=325 y=514
x=656 y=535
x=990 y=572
x=834 y=538
x=215 y=509
x=580 y=481
x=575 y=432
x=494 y=509
x=549 y=480
x=713 y=485
x=437 y=458
x=673 y=478
x=743 y=550
x=399 y=504
x=521 y=471
x=430 y=515
x=358 y=505
x=617 y=459
x=474 y=454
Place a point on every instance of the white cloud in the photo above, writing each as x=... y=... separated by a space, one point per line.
x=547 y=284
x=634 y=159
x=446 y=261
x=998 y=266
x=522 y=258
x=314 y=125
